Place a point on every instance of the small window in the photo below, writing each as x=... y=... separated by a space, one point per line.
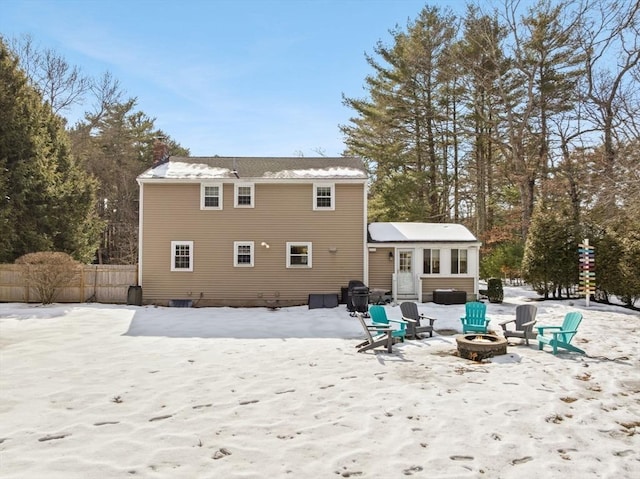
x=182 y=256
x=244 y=195
x=431 y=261
x=323 y=196
x=211 y=196
x=298 y=255
x=458 y=261
x=243 y=253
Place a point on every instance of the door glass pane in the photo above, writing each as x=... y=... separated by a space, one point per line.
x=405 y=262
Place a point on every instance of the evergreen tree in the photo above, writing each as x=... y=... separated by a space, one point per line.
x=116 y=145
x=550 y=262
x=47 y=201
x=399 y=128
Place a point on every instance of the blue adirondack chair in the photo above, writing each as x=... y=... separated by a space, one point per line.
x=475 y=320
x=561 y=336
x=379 y=317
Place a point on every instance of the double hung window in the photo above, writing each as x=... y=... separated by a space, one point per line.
x=211 y=196
x=182 y=256
x=244 y=195
x=324 y=197
x=243 y=253
x=299 y=255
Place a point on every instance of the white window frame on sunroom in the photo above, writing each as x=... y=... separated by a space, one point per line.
x=236 y=245
x=431 y=261
x=332 y=188
x=466 y=250
x=236 y=187
x=175 y=244
x=203 y=196
x=308 y=245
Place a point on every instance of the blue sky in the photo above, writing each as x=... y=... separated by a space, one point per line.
x=225 y=77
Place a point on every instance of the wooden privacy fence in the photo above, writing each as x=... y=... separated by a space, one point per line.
x=102 y=283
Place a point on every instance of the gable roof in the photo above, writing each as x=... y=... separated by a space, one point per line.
x=419 y=232
x=218 y=167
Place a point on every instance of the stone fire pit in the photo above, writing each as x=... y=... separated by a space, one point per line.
x=479 y=346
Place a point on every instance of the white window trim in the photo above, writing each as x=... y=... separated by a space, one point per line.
x=236 y=244
x=332 y=186
x=431 y=250
x=467 y=254
x=202 y=196
x=309 y=254
x=236 y=186
x=173 y=255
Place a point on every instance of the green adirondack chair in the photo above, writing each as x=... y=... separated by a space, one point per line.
x=379 y=317
x=561 y=336
x=475 y=320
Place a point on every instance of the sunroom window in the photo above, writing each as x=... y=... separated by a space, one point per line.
x=431 y=262
x=459 y=261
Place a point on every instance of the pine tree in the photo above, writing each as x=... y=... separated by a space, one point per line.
x=116 y=145
x=48 y=201
x=400 y=127
x=550 y=262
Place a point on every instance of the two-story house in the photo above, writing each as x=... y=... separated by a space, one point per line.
x=251 y=231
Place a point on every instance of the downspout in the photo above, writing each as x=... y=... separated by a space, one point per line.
x=365 y=248
x=140 y=215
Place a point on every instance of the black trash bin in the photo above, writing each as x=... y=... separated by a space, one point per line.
x=134 y=295
x=344 y=295
x=360 y=299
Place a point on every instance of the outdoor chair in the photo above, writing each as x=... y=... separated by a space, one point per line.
x=523 y=323
x=475 y=320
x=561 y=336
x=376 y=336
x=414 y=320
x=379 y=316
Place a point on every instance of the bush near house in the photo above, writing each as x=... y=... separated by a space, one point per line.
x=48 y=272
x=495 y=292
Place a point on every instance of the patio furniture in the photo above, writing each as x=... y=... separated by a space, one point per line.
x=523 y=323
x=379 y=316
x=376 y=336
x=561 y=336
x=414 y=319
x=449 y=296
x=475 y=320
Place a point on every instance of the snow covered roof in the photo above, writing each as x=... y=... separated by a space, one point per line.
x=252 y=168
x=419 y=232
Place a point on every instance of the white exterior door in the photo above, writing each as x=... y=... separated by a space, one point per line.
x=406 y=276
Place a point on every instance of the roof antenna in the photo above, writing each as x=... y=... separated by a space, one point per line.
x=235 y=169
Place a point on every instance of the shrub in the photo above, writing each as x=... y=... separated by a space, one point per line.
x=47 y=273
x=494 y=290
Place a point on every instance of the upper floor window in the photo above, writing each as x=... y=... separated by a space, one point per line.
x=211 y=196
x=324 y=196
x=459 y=261
x=431 y=261
x=244 y=195
x=243 y=253
x=182 y=256
x=298 y=255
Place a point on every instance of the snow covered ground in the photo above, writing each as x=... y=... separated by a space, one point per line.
x=106 y=391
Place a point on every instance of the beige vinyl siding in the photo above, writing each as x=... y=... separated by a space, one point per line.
x=429 y=284
x=282 y=213
x=380 y=269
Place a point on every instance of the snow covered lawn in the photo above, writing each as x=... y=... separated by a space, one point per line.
x=104 y=391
